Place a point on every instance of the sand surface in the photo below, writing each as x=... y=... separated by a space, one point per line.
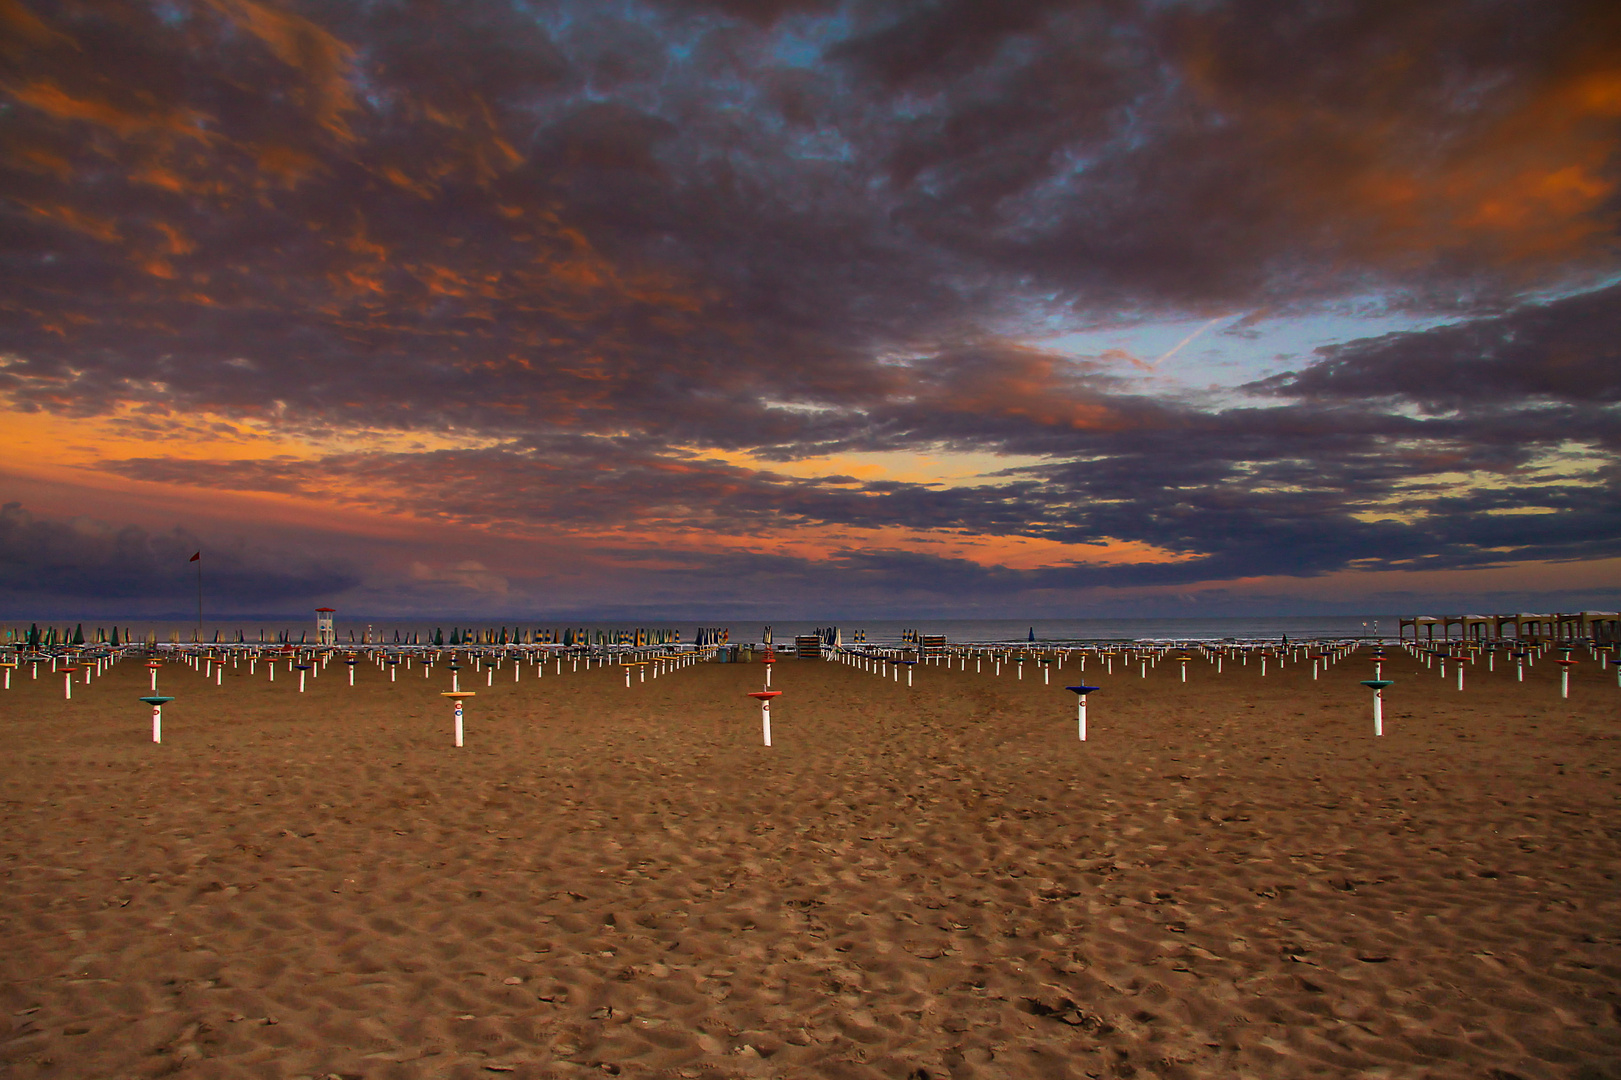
x=1231 y=878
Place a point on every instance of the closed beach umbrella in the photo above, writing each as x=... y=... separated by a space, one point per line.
x=1080 y=693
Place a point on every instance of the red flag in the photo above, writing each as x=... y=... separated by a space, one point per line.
x=195 y=557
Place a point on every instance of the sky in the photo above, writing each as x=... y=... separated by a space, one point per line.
x=809 y=308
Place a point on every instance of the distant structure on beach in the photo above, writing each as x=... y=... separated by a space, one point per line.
x=324 y=634
x=1528 y=626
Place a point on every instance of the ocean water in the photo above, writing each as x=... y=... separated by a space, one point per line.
x=878 y=631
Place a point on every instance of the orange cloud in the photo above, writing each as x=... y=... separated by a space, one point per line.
x=175 y=242
x=821 y=543
x=39 y=159
x=323 y=59
x=1398 y=166
x=21 y=29
x=159 y=177
x=89 y=224
x=287 y=165
x=999 y=378
x=52 y=100
x=400 y=180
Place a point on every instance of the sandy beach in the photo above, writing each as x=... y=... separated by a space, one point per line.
x=1232 y=877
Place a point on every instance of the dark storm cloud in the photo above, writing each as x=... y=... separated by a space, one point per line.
x=611 y=239
x=616 y=218
x=1236 y=152
x=44 y=559
x=1566 y=350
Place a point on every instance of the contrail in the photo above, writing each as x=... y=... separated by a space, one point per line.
x=1174 y=349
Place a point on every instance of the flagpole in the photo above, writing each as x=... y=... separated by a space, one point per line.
x=199 y=561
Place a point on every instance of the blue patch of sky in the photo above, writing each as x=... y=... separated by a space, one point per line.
x=1224 y=352
x=821 y=145
x=170 y=14
x=687 y=87
x=802 y=40
x=1232 y=349
x=379 y=98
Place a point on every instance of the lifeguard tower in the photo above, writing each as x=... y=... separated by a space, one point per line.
x=324 y=634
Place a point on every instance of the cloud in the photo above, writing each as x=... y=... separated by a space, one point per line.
x=604 y=255
x=506 y=227
x=1565 y=351
x=323 y=62
x=1300 y=489
x=47 y=562
x=468 y=575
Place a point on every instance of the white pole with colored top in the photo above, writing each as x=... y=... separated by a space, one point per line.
x=1080 y=693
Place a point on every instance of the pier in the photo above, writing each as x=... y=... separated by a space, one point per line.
x=1592 y=626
